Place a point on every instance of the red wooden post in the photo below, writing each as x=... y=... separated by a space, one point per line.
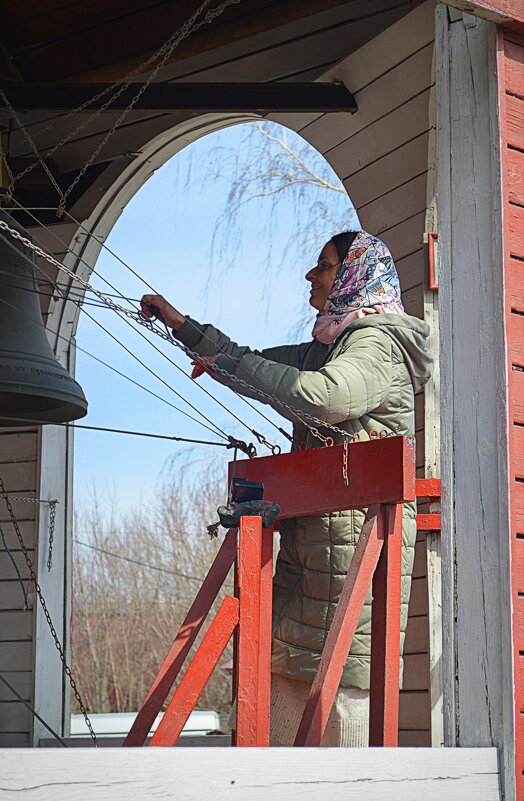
x=341 y=632
x=385 y=632
x=183 y=641
x=253 y=688
x=197 y=674
x=265 y=636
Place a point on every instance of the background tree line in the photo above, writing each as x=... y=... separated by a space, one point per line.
x=134 y=578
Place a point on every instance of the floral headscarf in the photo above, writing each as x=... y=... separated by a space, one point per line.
x=366 y=283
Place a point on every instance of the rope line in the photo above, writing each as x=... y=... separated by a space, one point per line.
x=17 y=571
x=259 y=437
x=232 y=443
x=137 y=562
x=115 y=370
x=155 y=329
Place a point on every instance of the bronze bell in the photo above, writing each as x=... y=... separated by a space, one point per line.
x=34 y=387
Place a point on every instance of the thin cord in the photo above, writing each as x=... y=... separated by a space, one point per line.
x=260 y=438
x=31 y=421
x=137 y=562
x=33 y=712
x=219 y=430
x=11 y=557
x=314 y=421
x=195 y=409
x=114 y=370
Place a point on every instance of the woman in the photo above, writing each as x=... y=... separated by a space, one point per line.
x=360 y=372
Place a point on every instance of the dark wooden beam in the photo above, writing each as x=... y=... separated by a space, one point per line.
x=320 y=97
x=100 y=47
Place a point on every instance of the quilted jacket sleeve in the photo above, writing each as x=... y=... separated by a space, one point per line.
x=347 y=387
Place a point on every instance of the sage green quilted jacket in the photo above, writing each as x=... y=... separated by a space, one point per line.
x=365 y=380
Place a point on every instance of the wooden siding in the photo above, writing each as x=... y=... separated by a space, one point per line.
x=381 y=153
x=511 y=82
x=18 y=469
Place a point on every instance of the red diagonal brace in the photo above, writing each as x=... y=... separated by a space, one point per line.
x=341 y=632
x=385 y=635
x=183 y=641
x=197 y=674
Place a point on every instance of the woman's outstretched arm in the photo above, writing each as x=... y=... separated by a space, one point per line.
x=349 y=386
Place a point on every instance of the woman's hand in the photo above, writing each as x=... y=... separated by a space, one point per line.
x=162 y=310
x=200 y=368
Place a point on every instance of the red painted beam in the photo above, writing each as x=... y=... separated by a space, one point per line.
x=197 y=674
x=428 y=522
x=341 y=632
x=254 y=645
x=311 y=482
x=184 y=640
x=385 y=634
x=427 y=487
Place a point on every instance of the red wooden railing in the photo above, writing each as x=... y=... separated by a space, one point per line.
x=381 y=477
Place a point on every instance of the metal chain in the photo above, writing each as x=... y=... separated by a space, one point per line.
x=163 y=52
x=52 y=515
x=314 y=422
x=38 y=589
x=345 y=463
x=185 y=31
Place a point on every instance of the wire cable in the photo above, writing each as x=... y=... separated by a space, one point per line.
x=33 y=711
x=200 y=579
x=17 y=571
x=302 y=416
x=114 y=369
x=216 y=428
x=259 y=437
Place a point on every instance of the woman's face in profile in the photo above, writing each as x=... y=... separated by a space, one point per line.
x=323 y=275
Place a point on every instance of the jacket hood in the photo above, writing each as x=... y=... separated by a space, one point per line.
x=410 y=334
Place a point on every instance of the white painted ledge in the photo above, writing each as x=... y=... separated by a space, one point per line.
x=250 y=774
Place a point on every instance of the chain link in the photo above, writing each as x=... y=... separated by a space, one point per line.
x=345 y=475
x=185 y=31
x=67 y=670
x=52 y=515
x=121 y=85
x=314 y=422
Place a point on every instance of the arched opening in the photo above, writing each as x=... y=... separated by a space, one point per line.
x=131 y=570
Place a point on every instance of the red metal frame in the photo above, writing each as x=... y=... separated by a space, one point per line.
x=183 y=641
x=381 y=477
x=197 y=674
x=432 y=237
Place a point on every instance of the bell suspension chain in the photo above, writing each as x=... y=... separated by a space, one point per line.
x=314 y=422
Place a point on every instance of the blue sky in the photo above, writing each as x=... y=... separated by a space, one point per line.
x=165 y=233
